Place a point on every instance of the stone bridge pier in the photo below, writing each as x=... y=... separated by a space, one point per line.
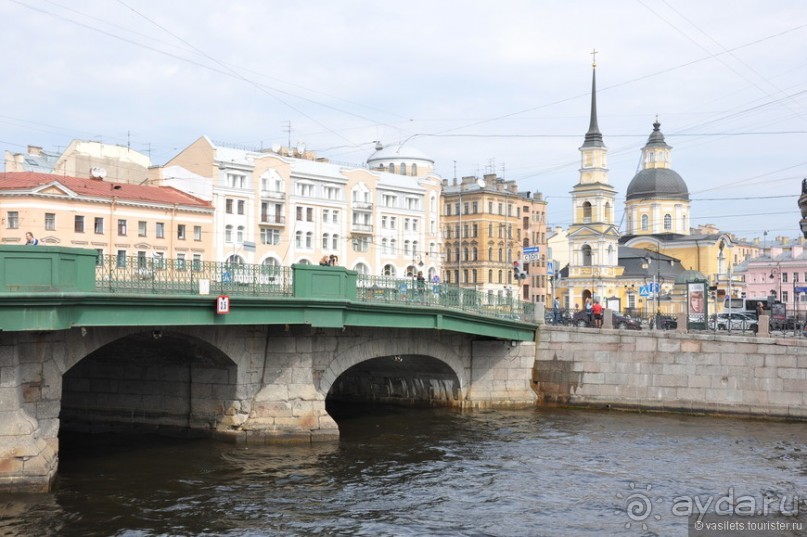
x=244 y=383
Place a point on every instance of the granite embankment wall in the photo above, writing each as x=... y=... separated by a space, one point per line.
x=667 y=371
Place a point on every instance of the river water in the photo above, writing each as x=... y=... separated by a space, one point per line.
x=402 y=472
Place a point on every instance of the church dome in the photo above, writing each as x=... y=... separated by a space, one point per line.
x=657 y=183
x=689 y=275
x=397 y=153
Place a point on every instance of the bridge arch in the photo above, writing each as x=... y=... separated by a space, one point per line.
x=434 y=367
x=147 y=380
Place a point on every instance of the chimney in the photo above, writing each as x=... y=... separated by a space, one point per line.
x=35 y=150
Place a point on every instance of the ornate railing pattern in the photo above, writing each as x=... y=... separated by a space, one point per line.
x=115 y=274
x=169 y=276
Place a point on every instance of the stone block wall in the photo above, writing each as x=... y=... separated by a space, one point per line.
x=715 y=374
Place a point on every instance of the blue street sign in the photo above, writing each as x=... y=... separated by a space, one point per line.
x=550 y=268
x=654 y=287
x=644 y=290
x=532 y=249
x=800 y=289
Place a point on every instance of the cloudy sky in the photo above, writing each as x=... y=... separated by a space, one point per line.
x=480 y=86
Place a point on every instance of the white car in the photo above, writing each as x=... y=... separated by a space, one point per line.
x=736 y=321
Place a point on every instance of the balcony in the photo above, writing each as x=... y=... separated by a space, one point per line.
x=362 y=205
x=361 y=228
x=273 y=219
x=273 y=194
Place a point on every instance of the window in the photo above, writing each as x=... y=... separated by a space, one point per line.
x=326 y=240
x=121 y=227
x=667 y=222
x=305 y=190
x=586 y=211
x=784 y=279
x=235 y=180
x=228 y=206
x=414 y=169
x=448 y=209
x=403 y=168
x=335 y=217
x=120 y=258
x=197 y=233
x=180 y=261
x=197 y=262
x=159 y=230
x=415 y=224
x=242 y=206
x=475 y=207
x=159 y=261
x=78 y=224
x=331 y=193
x=181 y=232
x=361 y=244
x=384 y=222
x=270 y=236
x=384 y=247
x=99 y=226
x=50 y=221
x=228 y=233
x=309 y=239
x=239 y=234
x=141 y=228
x=298 y=239
x=393 y=222
x=406 y=224
x=99 y=257
x=14 y=220
x=645 y=222
x=389 y=200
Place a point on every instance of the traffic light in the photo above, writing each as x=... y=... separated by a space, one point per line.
x=713 y=295
x=518 y=273
x=742 y=295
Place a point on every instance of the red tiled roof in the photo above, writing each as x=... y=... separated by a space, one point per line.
x=101 y=189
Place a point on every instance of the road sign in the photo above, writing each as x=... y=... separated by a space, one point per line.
x=550 y=268
x=654 y=287
x=222 y=304
x=531 y=253
x=800 y=289
x=644 y=290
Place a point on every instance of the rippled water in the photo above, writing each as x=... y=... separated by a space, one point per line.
x=418 y=472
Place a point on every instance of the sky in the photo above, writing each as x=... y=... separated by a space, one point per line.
x=479 y=86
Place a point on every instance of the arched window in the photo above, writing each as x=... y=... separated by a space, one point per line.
x=391 y=167
x=475 y=254
x=389 y=270
x=410 y=271
x=667 y=222
x=228 y=233
x=586 y=254
x=610 y=254
x=335 y=241
x=403 y=168
x=384 y=247
x=309 y=239
x=240 y=234
x=607 y=212
x=414 y=247
x=325 y=241
x=298 y=239
x=645 y=222
x=361 y=268
x=235 y=260
x=586 y=211
x=393 y=246
x=406 y=247
x=414 y=169
x=304 y=261
x=270 y=262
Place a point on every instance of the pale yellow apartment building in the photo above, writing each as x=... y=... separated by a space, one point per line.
x=281 y=206
x=114 y=219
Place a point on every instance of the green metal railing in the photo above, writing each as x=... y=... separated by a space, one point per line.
x=410 y=291
x=115 y=274
x=139 y=275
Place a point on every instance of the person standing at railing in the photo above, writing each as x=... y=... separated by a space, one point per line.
x=555 y=311
x=421 y=283
x=325 y=261
x=30 y=240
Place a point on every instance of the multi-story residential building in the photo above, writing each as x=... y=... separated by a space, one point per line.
x=283 y=206
x=118 y=219
x=486 y=225
x=84 y=158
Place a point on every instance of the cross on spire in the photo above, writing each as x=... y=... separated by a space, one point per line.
x=594 y=58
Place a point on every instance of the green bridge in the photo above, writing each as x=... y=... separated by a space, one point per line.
x=55 y=288
x=245 y=353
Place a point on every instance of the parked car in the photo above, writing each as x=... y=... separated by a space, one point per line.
x=666 y=322
x=735 y=321
x=581 y=319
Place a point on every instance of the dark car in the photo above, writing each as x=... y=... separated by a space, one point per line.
x=581 y=319
x=666 y=322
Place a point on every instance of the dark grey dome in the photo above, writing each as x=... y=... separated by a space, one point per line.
x=657 y=183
